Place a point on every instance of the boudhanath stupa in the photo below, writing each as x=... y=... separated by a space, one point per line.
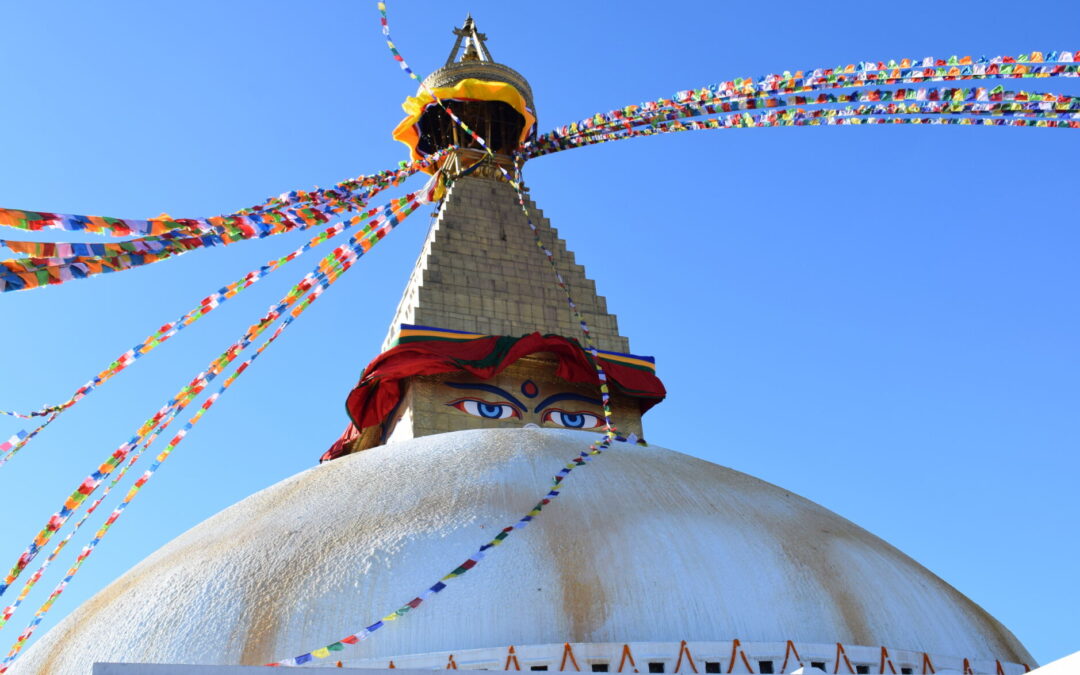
x=650 y=561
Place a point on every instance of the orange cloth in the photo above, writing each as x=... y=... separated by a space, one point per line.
x=469 y=89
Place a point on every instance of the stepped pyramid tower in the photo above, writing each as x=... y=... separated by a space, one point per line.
x=649 y=561
x=480 y=270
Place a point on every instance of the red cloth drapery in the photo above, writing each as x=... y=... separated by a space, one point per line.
x=380 y=387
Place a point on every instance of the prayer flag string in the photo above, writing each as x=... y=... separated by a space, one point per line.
x=204 y=307
x=557 y=487
x=1053 y=64
x=385 y=24
x=331 y=273
x=994 y=114
x=19 y=440
x=974 y=100
x=626 y=129
x=515 y=181
x=392 y=214
x=284 y=206
x=869 y=115
x=10 y=610
x=52 y=263
x=9 y=448
x=770 y=101
x=594 y=449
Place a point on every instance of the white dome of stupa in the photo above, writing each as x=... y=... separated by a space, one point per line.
x=646 y=547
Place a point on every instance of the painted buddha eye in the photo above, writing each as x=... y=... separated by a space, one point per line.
x=490 y=411
x=572 y=420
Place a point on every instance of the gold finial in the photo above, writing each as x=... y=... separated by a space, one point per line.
x=470 y=53
x=475 y=47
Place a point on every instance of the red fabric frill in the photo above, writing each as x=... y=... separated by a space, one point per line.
x=380 y=387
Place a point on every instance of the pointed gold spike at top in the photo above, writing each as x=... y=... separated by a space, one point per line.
x=475 y=43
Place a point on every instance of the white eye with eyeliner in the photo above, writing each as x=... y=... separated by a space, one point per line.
x=490 y=411
x=572 y=420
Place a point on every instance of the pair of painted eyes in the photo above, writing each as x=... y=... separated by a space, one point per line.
x=502 y=411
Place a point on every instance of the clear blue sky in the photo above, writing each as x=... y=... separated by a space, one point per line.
x=884 y=320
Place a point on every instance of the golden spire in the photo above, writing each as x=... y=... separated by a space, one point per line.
x=475 y=47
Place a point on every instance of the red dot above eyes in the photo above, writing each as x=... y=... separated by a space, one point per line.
x=529 y=388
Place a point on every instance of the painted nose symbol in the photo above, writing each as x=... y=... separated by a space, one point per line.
x=531 y=425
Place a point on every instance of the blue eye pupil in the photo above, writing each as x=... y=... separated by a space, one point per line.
x=489 y=410
x=575 y=420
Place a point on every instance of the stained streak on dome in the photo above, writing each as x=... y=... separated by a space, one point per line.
x=669 y=547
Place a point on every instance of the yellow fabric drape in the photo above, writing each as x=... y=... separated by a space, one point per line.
x=468 y=89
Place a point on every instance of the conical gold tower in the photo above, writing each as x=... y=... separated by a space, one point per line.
x=480 y=270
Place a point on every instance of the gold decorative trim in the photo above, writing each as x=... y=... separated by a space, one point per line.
x=450 y=75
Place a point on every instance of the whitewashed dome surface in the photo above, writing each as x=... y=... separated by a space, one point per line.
x=644 y=545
